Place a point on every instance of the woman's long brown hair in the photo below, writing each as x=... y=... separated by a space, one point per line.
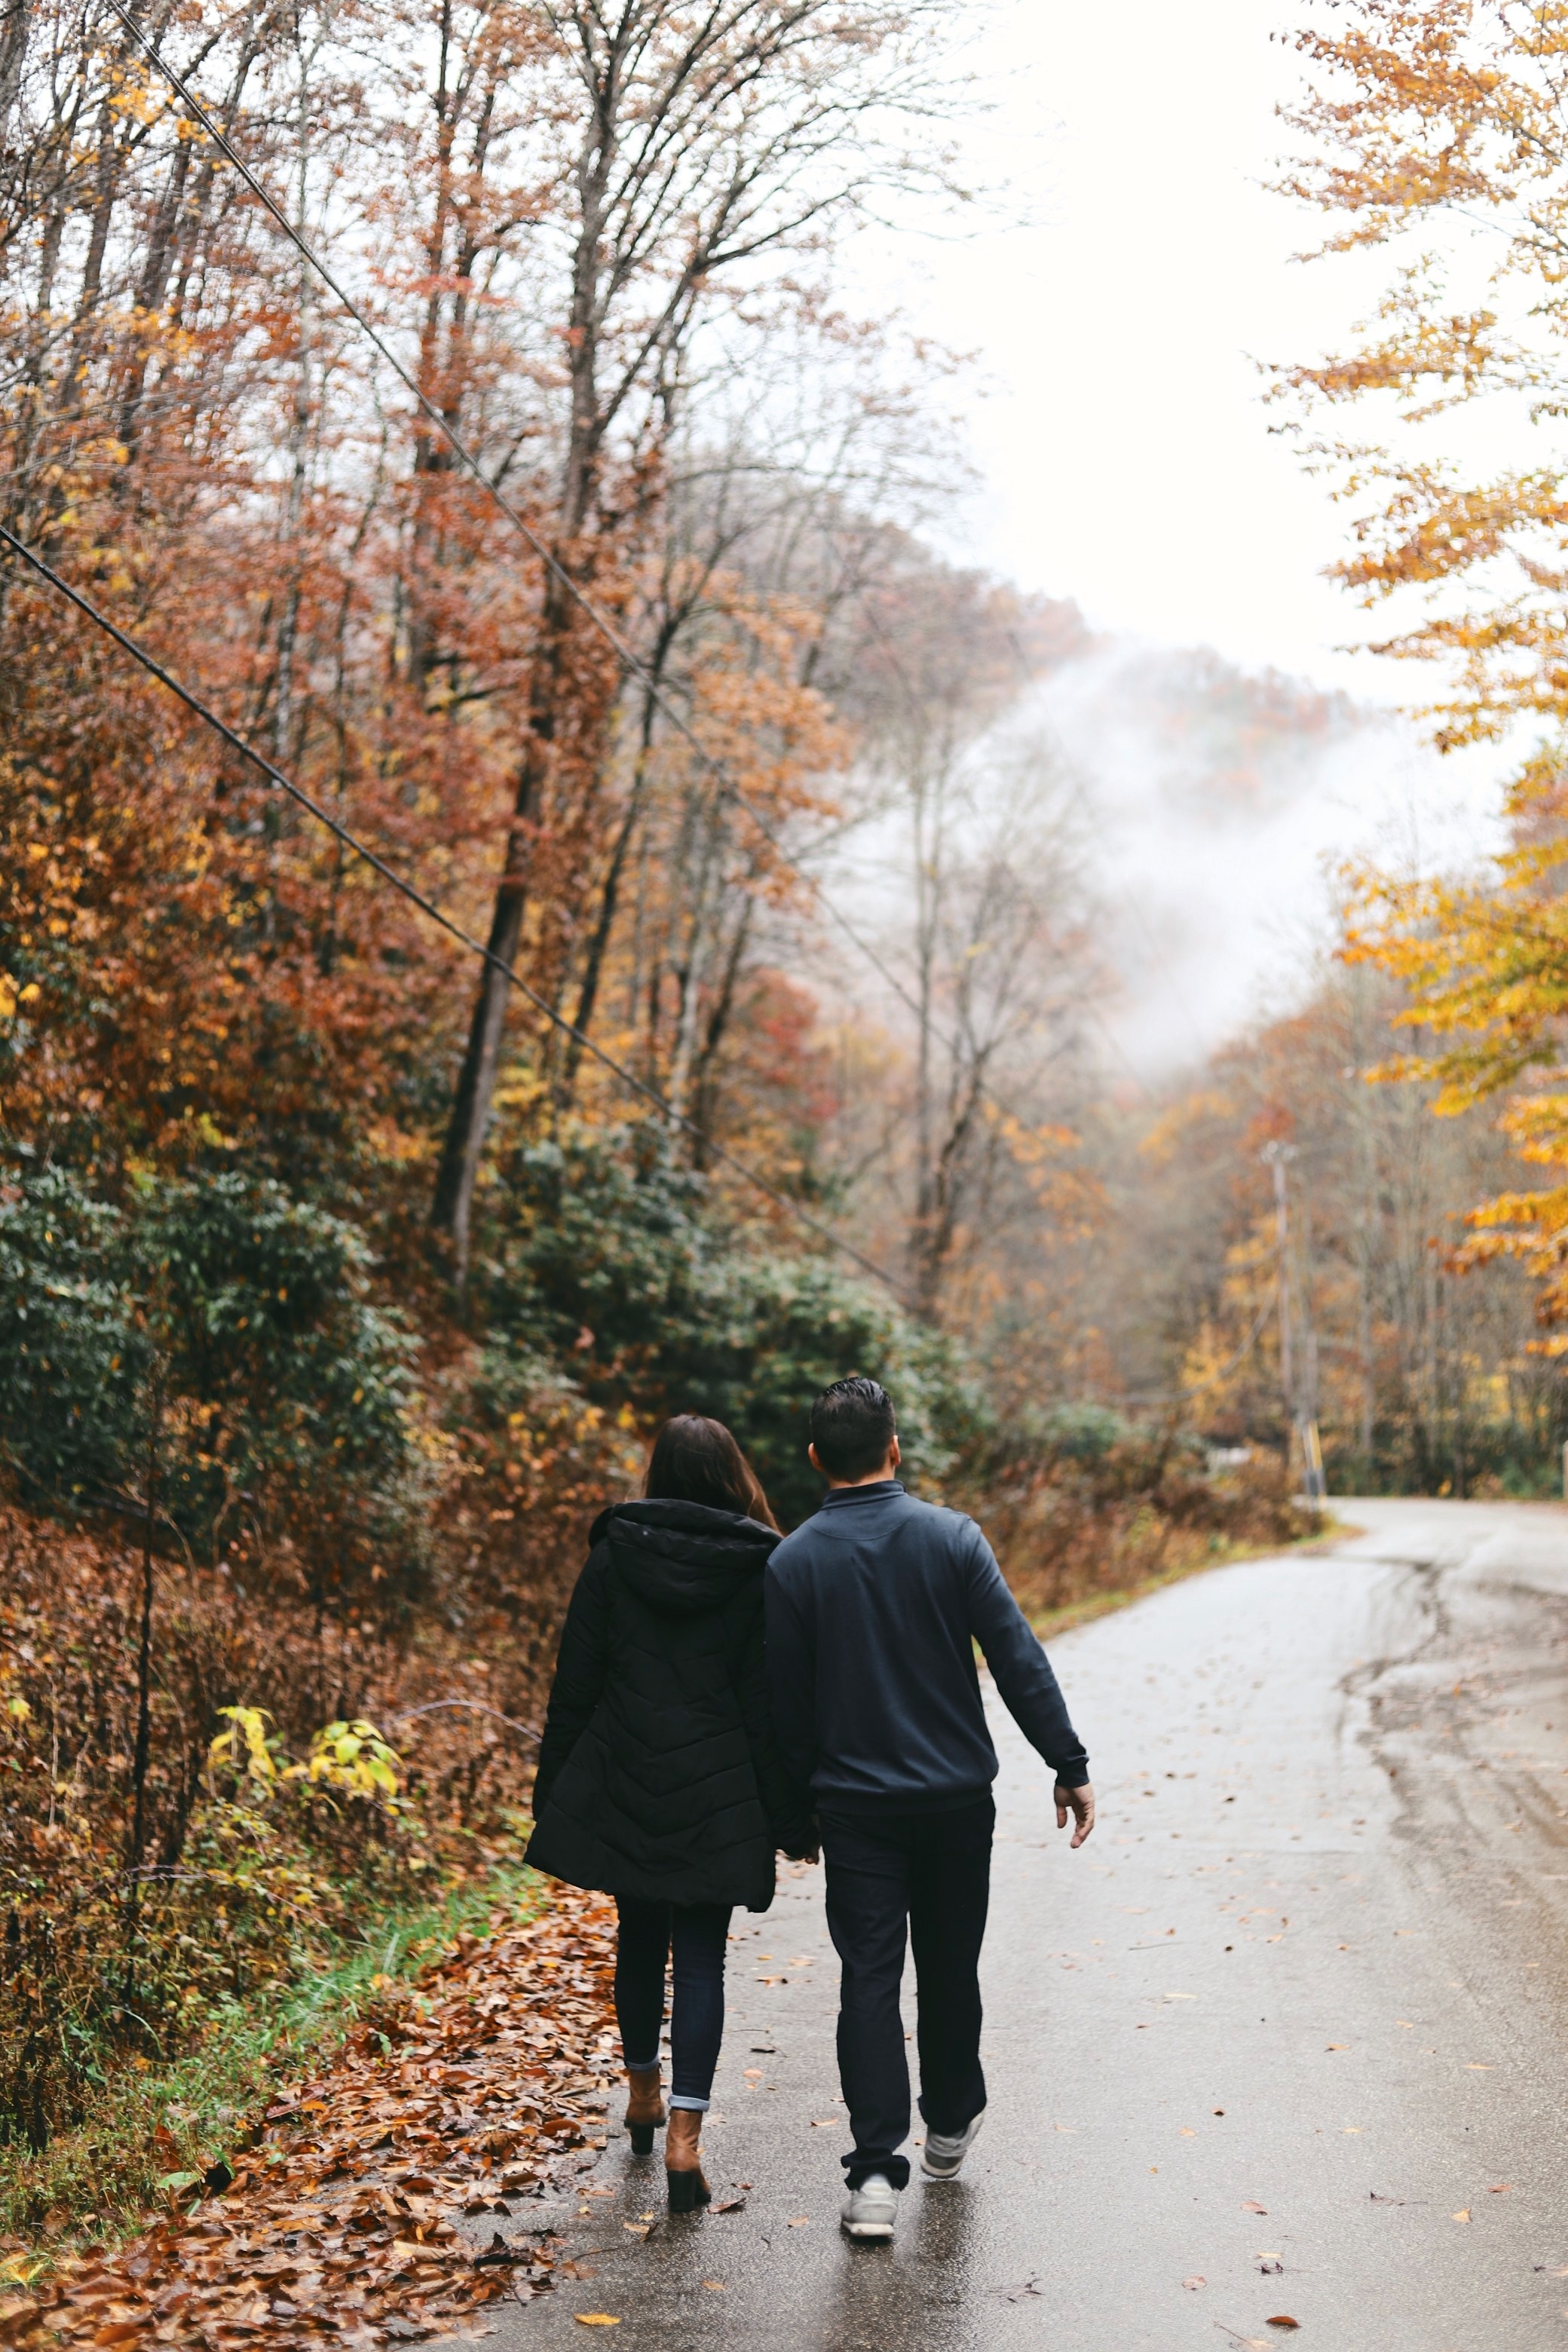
x=695 y=1460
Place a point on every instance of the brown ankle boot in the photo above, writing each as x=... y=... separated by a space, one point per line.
x=683 y=2161
x=645 y=2107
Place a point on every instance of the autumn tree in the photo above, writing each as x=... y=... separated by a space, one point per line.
x=1436 y=133
x=971 y=817
x=775 y=542
x=194 y=431
x=693 y=152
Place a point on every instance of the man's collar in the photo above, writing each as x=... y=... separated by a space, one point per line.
x=874 y=1491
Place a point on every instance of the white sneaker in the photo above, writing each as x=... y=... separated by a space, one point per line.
x=870 y=2210
x=944 y=2152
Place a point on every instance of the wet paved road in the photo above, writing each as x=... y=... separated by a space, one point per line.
x=1302 y=2000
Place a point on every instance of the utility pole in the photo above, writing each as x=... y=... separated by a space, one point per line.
x=1300 y=1415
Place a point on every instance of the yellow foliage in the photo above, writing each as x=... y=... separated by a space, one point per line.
x=243 y=1747
x=351 y=1757
x=1171 y=1129
x=1426 y=121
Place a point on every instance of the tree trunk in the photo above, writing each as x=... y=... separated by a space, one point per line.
x=143 y=1749
x=452 y=1211
x=552 y=683
x=588 y=993
x=703 y=1087
x=13 y=56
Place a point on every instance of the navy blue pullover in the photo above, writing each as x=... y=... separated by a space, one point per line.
x=873 y=1609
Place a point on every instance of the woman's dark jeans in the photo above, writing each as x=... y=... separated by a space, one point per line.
x=695 y=1934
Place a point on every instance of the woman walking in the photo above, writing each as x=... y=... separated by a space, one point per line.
x=658 y=1780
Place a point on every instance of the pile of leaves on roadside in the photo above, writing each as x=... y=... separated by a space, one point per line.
x=483 y=2088
x=261 y=1862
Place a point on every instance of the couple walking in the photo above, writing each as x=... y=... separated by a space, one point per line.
x=724 y=1694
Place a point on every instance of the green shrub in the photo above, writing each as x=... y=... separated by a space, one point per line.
x=616 y=1263
x=1085 y=1433
x=73 y=1353
x=296 y=1387
x=236 y=1316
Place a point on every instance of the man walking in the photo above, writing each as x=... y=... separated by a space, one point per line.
x=873 y=1608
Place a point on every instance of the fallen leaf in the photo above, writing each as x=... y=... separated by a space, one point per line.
x=1339 y=2045
x=1252 y=2206
x=716 y=2285
x=799 y=2221
x=1499 y=2188
x=595 y=2319
x=508 y=2037
x=1463 y=2214
x=1194 y=2283
x=729 y=2205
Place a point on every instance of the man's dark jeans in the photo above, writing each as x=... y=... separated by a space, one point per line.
x=933 y=1871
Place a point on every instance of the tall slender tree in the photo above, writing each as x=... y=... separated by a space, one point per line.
x=702 y=151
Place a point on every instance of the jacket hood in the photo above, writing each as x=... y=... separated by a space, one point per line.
x=683 y=1556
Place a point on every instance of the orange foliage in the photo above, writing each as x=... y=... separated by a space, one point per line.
x=1427 y=121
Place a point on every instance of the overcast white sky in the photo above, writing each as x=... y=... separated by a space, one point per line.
x=1127 y=457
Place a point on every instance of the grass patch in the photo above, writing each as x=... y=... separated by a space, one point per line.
x=1050 y=1621
x=155 y=2130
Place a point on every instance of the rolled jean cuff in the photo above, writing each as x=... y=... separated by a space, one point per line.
x=684 y=2099
x=638 y=2065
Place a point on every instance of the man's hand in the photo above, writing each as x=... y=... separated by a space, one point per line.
x=1079 y=1802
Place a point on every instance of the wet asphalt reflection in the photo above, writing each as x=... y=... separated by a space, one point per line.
x=1286 y=2041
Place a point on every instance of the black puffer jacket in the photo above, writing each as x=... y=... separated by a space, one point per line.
x=659 y=1775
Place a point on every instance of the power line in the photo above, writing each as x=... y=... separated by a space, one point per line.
x=417 y=897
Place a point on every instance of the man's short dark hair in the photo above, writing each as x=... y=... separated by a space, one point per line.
x=853 y=1427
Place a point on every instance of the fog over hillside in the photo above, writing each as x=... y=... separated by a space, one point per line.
x=1220 y=807
x=1203 y=815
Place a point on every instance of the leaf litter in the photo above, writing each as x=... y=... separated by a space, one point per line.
x=482 y=2084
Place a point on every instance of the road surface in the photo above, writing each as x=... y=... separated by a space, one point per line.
x=1286 y=2039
